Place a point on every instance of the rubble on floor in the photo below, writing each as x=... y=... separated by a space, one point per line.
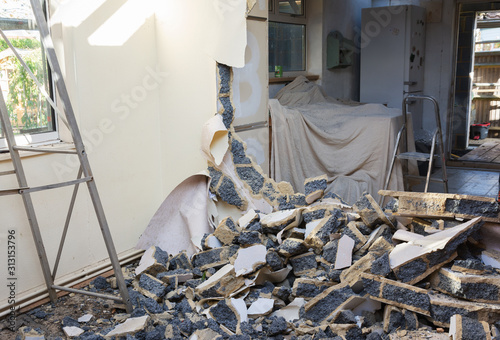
x=288 y=283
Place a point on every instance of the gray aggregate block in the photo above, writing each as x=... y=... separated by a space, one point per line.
x=216 y=175
x=471 y=263
x=249 y=237
x=324 y=307
x=406 y=296
x=292 y=247
x=282 y=293
x=303 y=263
x=313 y=215
x=396 y=320
x=471 y=207
x=330 y=251
x=472 y=329
x=225 y=78
x=252 y=177
x=153 y=285
x=238 y=152
x=309 y=290
x=345 y=317
x=181 y=261
x=274 y=260
x=213 y=256
x=286 y=202
x=355 y=334
x=315 y=185
x=224 y=315
x=411 y=320
x=334 y=223
x=381 y=266
x=228 y=113
x=228 y=193
x=278 y=325
x=469 y=290
x=410 y=270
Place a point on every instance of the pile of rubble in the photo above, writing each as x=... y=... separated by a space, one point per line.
x=327 y=271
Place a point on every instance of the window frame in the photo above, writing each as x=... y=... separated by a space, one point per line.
x=275 y=16
x=39 y=138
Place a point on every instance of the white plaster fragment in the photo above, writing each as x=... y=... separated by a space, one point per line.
x=291 y=311
x=344 y=252
x=241 y=308
x=130 y=326
x=72 y=331
x=249 y=258
x=85 y=318
x=262 y=306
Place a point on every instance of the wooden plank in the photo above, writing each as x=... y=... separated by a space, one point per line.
x=478 y=152
x=491 y=154
x=434 y=205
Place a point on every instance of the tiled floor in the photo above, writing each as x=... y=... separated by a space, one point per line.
x=465 y=182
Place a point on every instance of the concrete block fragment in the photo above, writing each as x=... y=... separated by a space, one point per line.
x=229 y=313
x=436 y=205
x=312 y=213
x=309 y=288
x=315 y=187
x=226 y=190
x=351 y=274
x=397 y=319
x=178 y=275
x=383 y=231
x=396 y=293
x=226 y=232
x=464 y=328
x=153 y=261
x=478 y=288
x=274 y=260
x=469 y=266
x=291 y=247
x=151 y=287
x=221 y=284
x=130 y=326
x=304 y=264
x=214 y=257
x=345 y=317
x=324 y=305
x=249 y=237
x=181 y=261
x=330 y=251
x=277 y=221
x=353 y=232
x=252 y=178
x=370 y=212
x=443 y=307
x=381 y=266
x=411 y=262
x=320 y=234
x=291 y=201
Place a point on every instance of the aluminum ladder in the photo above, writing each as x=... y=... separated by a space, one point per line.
x=84 y=174
x=437 y=141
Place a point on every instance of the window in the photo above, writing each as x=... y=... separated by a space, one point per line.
x=31 y=116
x=287 y=35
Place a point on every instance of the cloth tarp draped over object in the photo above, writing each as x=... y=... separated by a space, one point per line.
x=352 y=144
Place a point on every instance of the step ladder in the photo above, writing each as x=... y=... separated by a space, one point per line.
x=437 y=141
x=84 y=174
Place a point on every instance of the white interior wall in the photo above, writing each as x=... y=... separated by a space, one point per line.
x=142 y=90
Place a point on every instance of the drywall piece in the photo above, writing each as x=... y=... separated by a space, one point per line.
x=304 y=264
x=250 y=217
x=396 y=293
x=478 y=288
x=227 y=20
x=491 y=258
x=315 y=187
x=260 y=307
x=411 y=262
x=182 y=216
x=266 y=275
x=344 y=252
x=204 y=334
x=85 y=318
x=406 y=236
x=214 y=140
x=226 y=232
x=214 y=257
x=464 y=328
x=309 y=288
x=444 y=205
x=130 y=326
x=275 y=222
x=211 y=242
x=153 y=261
x=291 y=311
x=320 y=235
x=72 y=331
x=370 y=211
x=322 y=306
x=443 y=307
x=249 y=259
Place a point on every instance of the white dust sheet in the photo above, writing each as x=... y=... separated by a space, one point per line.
x=351 y=143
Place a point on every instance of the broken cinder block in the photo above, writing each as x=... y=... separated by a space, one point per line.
x=304 y=264
x=153 y=261
x=309 y=288
x=464 y=328
x=370 y=212
x=315 y=187
x=324 y=305
x=214 y=257
x=226 y=231
x=322 y=229
x=479 y=288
